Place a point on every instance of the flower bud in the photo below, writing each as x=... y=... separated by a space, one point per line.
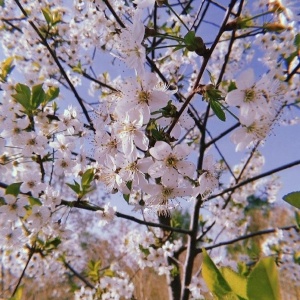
x=274 y=27
x=161 y=2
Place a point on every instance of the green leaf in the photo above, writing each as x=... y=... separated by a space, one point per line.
x=34 y=201
x=52 y=93
x=87 y=177
x=214 y=278
x=23 y=95
x=75 y=187
x=297 y=41
x=232 y=86
x=13 y=189
x=52 y=244
x=263 y=283
x=144 y=250
x=293 y=199
x=237 y=282
x=217 y=109
x=6 y=68
x=126 y=197
x=78 y=68
x=296 y=257
x=38 y=95
x=47 y=15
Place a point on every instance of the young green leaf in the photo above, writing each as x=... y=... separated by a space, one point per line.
x=38 y=96
x=51 y=93
x=126 y=197
x=87 y=177
x=217 y=109
x=297 y=41
x=13 y=189
x=263 y=281
x=47 y=15
x=34 y=201
x=75 y=187
x=23 y=95
x=237 y=282
x=5 y=68
x=214 y=278
x=293 y=199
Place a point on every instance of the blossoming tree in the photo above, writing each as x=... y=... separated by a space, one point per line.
x=111 y=118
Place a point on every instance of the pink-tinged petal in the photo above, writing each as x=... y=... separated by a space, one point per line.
x=139 y=181
x=186 y=168
x=141 y=141
x=246 y=80
x=170 y=178
x=235 y=97
x=157 y=169
x=183 y=192
x=158 y=99
x=152 y=189
x=144 y=164
x=161 y=150
x=181 y=151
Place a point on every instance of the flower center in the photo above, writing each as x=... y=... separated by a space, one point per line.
x=167 y=192
x=249 y=96
x=143 y=97
x=171 y=161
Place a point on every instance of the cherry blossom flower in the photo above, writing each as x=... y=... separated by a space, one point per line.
x=130 y=131
x=33 y=143
x=108 y=175
x=169 y=163
x=129 y=47
x=142 y=94
x=161 y=195
x=134 y=169
x=32 y=184
x=207 y=180
x=107 y=215
x=38 y=217
x=11 y=237
x=63 y=144
x=14 y=207
x=63 y=164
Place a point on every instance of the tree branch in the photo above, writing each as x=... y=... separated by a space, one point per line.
x=287 y=166
x=248 y=236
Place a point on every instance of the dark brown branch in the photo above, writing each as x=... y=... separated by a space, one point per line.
x=292 y=73
x=237 y=179
x=248 y=236
x=213 y=141
x=87 y=283
x=86 y=206
x=31 y=252
x=284 y=167
x=114 y=13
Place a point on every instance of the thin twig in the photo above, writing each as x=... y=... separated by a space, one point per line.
x=247 y=236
